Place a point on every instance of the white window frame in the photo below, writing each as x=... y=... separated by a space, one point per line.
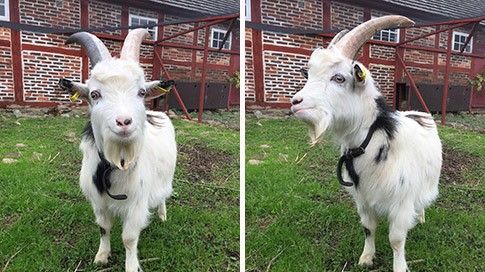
x=149 y=19
x=7 y=12
x=397 y=32
x=247 y=13
x=460 y=44
x=228 y=41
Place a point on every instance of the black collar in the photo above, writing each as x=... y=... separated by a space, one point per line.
x=349 y=156
x=102 y=178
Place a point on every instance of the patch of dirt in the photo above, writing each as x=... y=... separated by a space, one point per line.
x=266 y=221
x=21 y=111
x=454 y=164
x=9 y=220
x=262 y=113
x=202 y=162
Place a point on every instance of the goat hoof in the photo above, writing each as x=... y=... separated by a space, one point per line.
x=163 y=217
x=101 y=258
x=366 y=260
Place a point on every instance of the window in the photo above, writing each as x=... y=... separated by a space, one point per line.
x=387 y=35
x=247 y=10
x=136 y=20
x=217 y=37
x=4 y=9
x=459 y=40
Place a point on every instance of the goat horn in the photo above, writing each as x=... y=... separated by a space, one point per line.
x=131 y=46
x=337 y=37
x=95 y=48
x=350 y=44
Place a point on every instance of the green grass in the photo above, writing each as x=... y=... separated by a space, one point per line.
x=298 y=218
x=471 y=121
x=45 y=219
x=223 y=117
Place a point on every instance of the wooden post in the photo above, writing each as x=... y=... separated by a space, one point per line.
x=447 y=78
x=204 y=76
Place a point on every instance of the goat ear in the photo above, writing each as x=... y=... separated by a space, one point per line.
x=360 y=73
x=74 y=89
x=304 y=72
x=157 y=88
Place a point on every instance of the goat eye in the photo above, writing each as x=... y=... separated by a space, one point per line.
x=338 y=78
x=95 y=95
x=142 y=92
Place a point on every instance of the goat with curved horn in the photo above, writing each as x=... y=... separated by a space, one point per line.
x=94 y=47
x=350 y=43
x=131 y=47
x=126 y=170
x=390 y=161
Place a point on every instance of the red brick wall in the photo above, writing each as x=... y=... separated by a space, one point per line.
x=346 y=16
x=42 y=72
x=382 y=52
x=6 y=75
x=180 y=72
x=43 y=56
x=103 y=14
x=47 y=13
x=249 y=93
x=174 y=29
x=307 y=14
x=4 y=33
x=384 y=77
x=281 y=69
x=282 y=75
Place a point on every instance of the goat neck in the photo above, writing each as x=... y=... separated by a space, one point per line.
x=350 y=129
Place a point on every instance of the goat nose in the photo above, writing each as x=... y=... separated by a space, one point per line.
x=296 y=101
x=123 y=121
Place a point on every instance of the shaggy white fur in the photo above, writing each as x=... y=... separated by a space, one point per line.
x=129 y=154
x=147 y=184
x=399 y=173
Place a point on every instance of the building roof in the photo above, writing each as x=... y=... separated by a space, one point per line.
x=211 y=7
x=455 y=9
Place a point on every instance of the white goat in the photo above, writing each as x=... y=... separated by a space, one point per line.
x=129 y=153
x=393 y=159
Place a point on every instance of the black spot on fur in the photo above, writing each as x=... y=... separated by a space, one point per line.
x=366 y=232
x=385 y=118
x=102 y=231
x=88 y=132
x=382 y=155
x=401 y=180
x=101 y=177
x=103 y=170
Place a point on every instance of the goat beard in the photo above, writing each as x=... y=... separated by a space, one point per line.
x=122 y=155
x=318 y=123
x=316 y=130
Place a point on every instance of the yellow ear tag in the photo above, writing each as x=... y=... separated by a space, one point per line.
x=362 y=73
x=74 y=96
x=162 y=90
